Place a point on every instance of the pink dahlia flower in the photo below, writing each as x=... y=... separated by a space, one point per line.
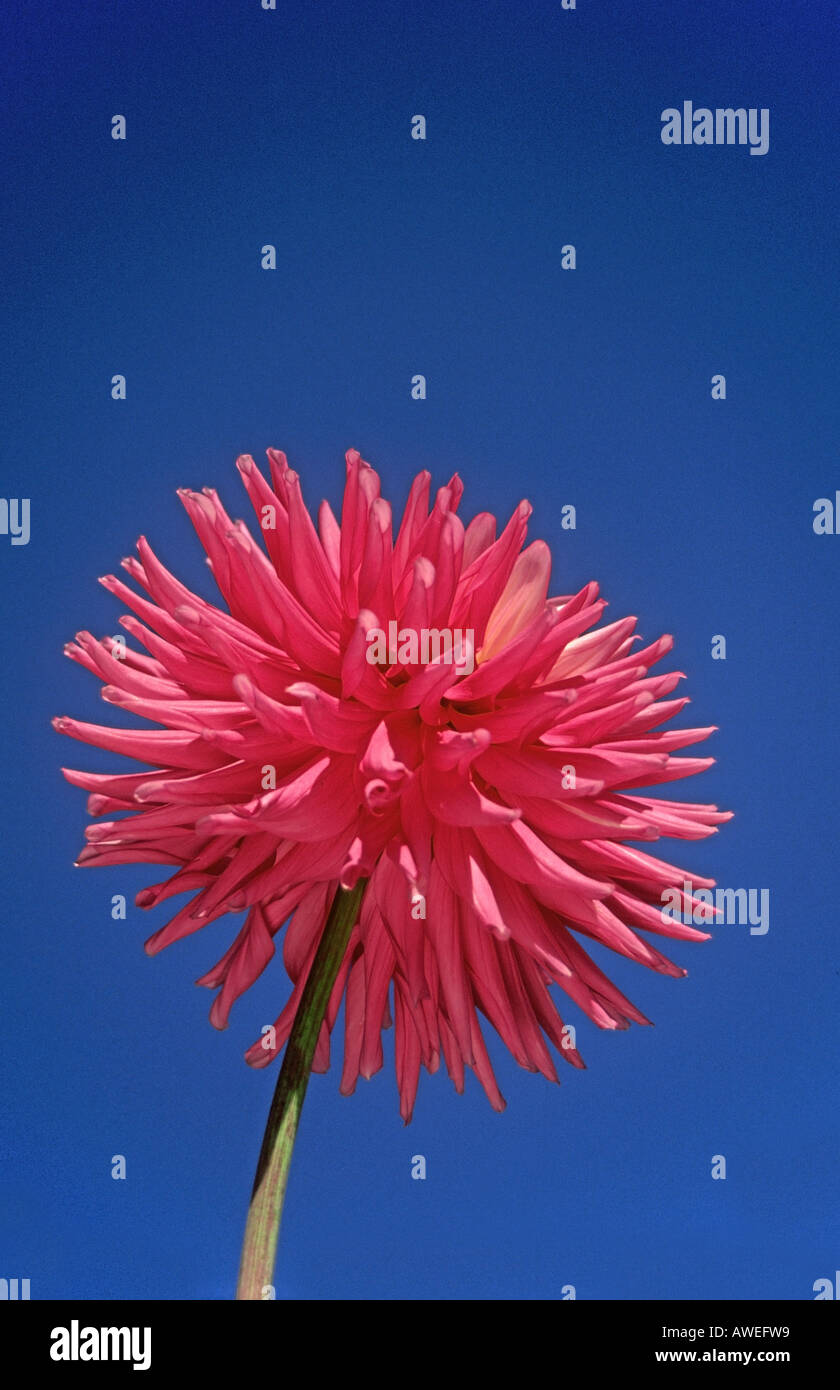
x=484 y=802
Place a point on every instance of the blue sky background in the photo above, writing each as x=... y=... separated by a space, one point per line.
x=591 y=387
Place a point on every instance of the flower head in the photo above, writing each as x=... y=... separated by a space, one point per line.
x=416 y=711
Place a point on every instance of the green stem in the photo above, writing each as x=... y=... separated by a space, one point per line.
x=262 y=1228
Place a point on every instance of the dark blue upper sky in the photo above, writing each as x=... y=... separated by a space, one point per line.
x=590 y=387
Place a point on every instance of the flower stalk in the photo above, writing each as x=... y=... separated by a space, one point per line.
x=259 y=1248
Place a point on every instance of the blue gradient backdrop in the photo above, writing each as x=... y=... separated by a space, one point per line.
x=590 y=387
